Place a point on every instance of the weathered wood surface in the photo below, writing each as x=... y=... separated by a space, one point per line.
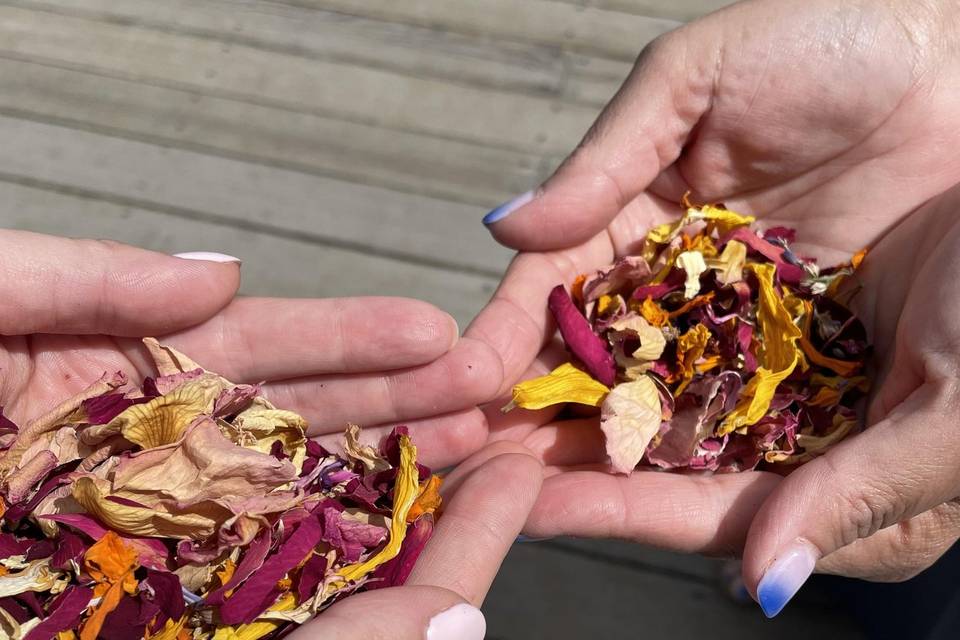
x=347 y=147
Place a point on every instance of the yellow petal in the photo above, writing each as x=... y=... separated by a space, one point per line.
x=170 y=630
x=405 y=493
x=690 y=348
x=729 y=265
x=564 y=384
x=778 y=357
x=654 y=313
x=163 y=420
x=140 y=521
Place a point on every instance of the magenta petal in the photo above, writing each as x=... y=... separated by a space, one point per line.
x=350 y=538
x=580 y=338
x=103 y=409
x=252 y=560
x=259 y=592
x=70 y=546
x=671 y=283
x=128 y=620
x=787 y=272
x=310 y=576
x=395 y=572
x=7 y=425
x=166 y=594
x=66 y=614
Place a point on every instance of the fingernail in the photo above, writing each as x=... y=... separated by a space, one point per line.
x=523 y=538
x=507 y=208
x=209 y=256
x=784 y=577
x=460 y=622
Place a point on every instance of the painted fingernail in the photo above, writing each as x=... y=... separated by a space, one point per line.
x=209 y=256
x=507 y=208
x=784 y=577
x=523 y=538
x=460 y=622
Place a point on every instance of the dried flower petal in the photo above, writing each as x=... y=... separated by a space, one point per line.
x=564 y=384
x=580 y=338
x=630 y=417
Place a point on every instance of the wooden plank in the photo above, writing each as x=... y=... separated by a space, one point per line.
x=272 y=266
x=611 y=34
x=414 y=163
x=274 y=200
x=684 y=10
x=337 y=37
x=355 y=93
x=545 y=593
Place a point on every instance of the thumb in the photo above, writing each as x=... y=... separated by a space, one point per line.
x=59 y=285
x=901 y=467
x=639 y=133
x=403 y=613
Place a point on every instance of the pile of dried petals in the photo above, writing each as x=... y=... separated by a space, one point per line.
x=193 y=508
x=717 y=348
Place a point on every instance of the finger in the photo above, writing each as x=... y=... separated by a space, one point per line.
x=453 y=480
x=517 y=424
x=468 y=375
x=899 y=552
x=441 y=441
x=398 y=613
x=639 y=133
x=568 y=442
x=60 y=285
x=516 y=322
x=695 y=514
x=256 y=339
x=897 y=469
x=478 y=527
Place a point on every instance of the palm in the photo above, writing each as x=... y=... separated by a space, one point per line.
x=312 y=356
x=42 y=370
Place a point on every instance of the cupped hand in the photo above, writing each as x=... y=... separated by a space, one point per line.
x=75 y=309
x=831 y=118
x=881 y=505
x=835 y=118
x=487 y=499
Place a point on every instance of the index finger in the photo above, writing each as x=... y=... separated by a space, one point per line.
x=478 y=527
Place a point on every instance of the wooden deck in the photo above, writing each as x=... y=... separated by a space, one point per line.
x=349 y=147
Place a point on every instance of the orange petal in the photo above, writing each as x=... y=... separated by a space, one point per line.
x=429 y=499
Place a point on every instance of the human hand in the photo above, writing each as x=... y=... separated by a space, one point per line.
x=882 y=505
x=836 y=119
x=842 y=162
x=74 y=309
x=487 y=498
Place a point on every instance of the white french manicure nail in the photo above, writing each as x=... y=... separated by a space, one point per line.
x=209 y=256
x=460 y=622
x=788 y=572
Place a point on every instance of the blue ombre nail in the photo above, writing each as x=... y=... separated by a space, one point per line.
x=507 y=208
x=785 y=576
x=523 y=538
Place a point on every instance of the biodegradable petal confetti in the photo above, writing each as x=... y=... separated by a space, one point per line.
x=630 y=417
x=192 y=508
x=755 y=359
x=564 y=384
x=580 y=338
